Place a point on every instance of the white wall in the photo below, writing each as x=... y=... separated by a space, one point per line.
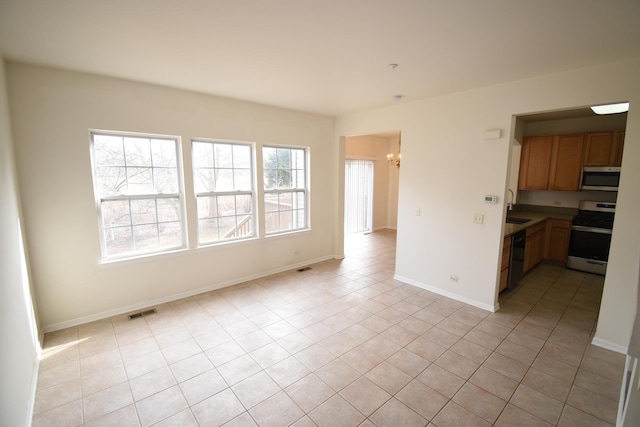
x=447 y=168
x=18 y=328
x=52 y=112
x=385 y=185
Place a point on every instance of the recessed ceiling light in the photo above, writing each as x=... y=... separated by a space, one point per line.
x=611 y=108
x=392 y=66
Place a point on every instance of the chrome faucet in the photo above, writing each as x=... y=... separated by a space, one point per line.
x=510 y=204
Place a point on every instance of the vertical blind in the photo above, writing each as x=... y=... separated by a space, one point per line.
x=358 y=195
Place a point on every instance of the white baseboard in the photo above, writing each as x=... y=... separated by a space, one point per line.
x=157 y=301
x=34 y=385
x=599 y=342
x=470 y=301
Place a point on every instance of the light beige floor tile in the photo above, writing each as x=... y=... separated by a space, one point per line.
x=454 y=415
x=336 y=412
x=441 y=337
x=238 y=369
x=190 y=367
x=337 y=374
x=494 y=382
x=441 y=380
x=314 y=357
x=99 y=361
x=309 y=392
x=287 y=371
x=594 y=404
x=255 y=389
x=269 y=355
x=388 y=377
x=471 y=350
x=572 y=417
x=365 y=396
x=361 y=360
x=106 y=401
x=338 y=344
x=514 y=416
x=181 y=351
x=276 y=411
x=555 y=367
x=202 y=386
x=124 y=417
x=381 y=346
x=607 y=387
x=57 y=395
x=422 y=399
x=67 y=415
x=304 y=422
x=506 y=366
x=537 y=404
x=161 y=405
x=144 y=364
x=151 y=383
x=395 y=412
x=547 y=384
x=61 y=373
x=408 y=362
x=517 y=352
x=217 y=409
x=103 y=379
x=426 y=349
x=224 y=353
x=456 y=364
x=480 y=402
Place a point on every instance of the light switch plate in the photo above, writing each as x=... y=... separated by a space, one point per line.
x=478 y=218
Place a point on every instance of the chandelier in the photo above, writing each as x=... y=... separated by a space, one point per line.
x=391 y=159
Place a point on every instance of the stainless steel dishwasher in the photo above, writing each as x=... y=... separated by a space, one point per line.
x=516 y=263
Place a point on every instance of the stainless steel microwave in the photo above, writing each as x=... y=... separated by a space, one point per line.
x=606 y=178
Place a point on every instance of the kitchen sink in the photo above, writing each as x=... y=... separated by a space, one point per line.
x=512 y=220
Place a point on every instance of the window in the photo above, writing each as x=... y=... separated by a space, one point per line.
x=223 y=181
x=285 y=189
x=138 y=194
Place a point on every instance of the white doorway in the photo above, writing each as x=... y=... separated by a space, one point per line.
x=358 y=196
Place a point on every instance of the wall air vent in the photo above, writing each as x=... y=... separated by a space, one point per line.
x=142 y=314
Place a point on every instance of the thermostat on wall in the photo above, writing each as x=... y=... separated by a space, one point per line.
x=491 y=199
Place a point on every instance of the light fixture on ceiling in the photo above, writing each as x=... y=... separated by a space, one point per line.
x=392 y=66
x=611 y=108
x=390 y=157
x=397 y=97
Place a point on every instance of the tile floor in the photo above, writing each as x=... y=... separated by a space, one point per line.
x=342 y=344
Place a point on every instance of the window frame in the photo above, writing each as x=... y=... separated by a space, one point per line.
x=305 y=190
x=252 y=192
x=154 y=196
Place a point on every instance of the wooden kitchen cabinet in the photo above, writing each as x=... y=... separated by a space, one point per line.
x=535 y=162
x=534 y=246
x=603 y=148
x=598 y=149
x=616 y=150
x=504 y=265
x=551 y=163
x=566 y=162
x=557 y=241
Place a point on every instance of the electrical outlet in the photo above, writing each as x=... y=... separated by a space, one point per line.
x=453 y=278
x=478 y=218
x=418 y=211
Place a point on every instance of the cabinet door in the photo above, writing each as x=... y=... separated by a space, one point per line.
x=598 y=149
x=559 y=234
x=616 y=151
x=566 y=162
x=535 y=162
x=531 y=251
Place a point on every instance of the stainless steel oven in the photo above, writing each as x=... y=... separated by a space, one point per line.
x=591 y=237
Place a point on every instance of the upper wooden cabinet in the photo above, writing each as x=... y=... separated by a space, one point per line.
x=551 y=162
x=535 y=162
x=566 y=162
x=618 y=146
x=603 y=148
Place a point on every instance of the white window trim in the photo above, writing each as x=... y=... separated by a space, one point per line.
x=129 y=256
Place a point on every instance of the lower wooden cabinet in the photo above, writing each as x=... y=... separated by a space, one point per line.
x=558 y=237
x=504 y=265
x=534 y=246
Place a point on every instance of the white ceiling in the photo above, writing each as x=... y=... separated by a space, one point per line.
x=322 y=56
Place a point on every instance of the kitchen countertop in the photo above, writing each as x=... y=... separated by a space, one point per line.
x=534 y=217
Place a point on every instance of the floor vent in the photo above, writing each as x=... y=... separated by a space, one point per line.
x=142 y=314
x=304 y=269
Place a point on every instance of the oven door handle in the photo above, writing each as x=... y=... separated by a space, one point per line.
x=590 y=229
x=596 y=262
